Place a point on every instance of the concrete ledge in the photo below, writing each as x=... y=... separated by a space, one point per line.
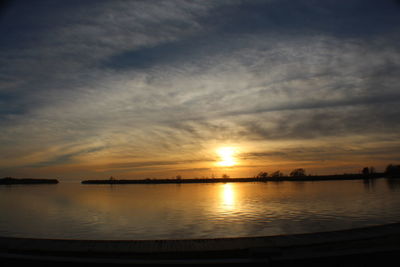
x=369 y=241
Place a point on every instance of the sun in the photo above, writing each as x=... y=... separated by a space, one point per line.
x=227 y=156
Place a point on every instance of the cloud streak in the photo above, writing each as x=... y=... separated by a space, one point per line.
x=168 y=81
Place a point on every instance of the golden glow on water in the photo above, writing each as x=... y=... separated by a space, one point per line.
x=228 y=196
x=227 y=156
x=72 y=210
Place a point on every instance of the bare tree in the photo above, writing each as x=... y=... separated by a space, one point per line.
x=392 y=171
x=277 y=174
x=298 y=172
x=262 y=175
x=372 y=170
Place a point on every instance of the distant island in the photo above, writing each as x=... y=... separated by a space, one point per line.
x=11 y=181
x=236 y=180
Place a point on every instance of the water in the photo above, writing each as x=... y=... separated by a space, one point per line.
x=71 y=210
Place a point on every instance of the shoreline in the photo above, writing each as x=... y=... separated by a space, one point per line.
x=352 y=245
x=12 y=181
x=308 y=178
x=239 y=180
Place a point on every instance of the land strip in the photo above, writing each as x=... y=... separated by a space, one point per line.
x=11 y=181
x=237 y=180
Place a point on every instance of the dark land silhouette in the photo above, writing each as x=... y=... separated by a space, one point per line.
x=11 y=181
x=236 y=180
x=299 y=174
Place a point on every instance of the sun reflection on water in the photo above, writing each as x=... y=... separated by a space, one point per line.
x=228 y=196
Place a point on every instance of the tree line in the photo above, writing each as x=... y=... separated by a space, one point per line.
x=298 y=172
x=391 y=171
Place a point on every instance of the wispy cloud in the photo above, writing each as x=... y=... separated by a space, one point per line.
x=124 y=82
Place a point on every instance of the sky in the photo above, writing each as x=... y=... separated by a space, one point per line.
x=156 y=89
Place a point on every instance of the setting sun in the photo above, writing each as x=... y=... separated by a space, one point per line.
x=227 y=156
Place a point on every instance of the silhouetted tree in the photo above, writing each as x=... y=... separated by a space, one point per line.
x=298 y=172
x=225 y=176
x=365 y=171
x=372 y=170
x=262 y=175
x=392 y=171
x=178 y=177
x=277 y=174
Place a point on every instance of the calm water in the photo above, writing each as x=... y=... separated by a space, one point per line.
x=72 y=210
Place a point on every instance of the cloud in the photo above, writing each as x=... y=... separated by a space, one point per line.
x=121 y=81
